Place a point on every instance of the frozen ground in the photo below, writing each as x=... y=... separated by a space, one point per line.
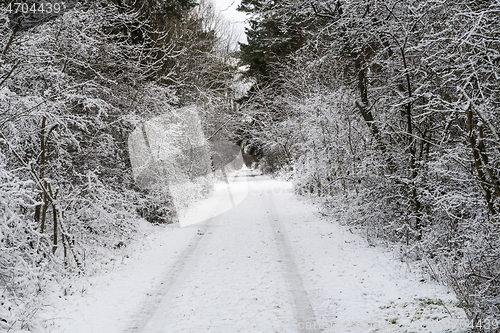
x=260 y=260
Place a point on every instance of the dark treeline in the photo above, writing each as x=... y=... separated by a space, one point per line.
x=390 y=112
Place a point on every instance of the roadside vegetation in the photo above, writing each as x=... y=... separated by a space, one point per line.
x=388 y=112
x=73 y=86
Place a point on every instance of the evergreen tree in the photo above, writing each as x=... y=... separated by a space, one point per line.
x=275 y=32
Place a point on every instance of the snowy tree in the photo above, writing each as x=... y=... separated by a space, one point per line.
x=387 y=110
x=72 y=89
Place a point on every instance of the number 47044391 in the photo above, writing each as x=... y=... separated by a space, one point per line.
x=35 y=7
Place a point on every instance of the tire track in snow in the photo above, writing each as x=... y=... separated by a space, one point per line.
x=304 y=312
x=152 y=303
x=174 y=276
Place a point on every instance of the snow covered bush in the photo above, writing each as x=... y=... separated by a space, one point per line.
x=72 y=89
x=24 y=252
x=389 y=114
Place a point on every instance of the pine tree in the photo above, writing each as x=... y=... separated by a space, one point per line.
x=274 y=33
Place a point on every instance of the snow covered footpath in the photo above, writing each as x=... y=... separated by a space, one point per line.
x=261 y=260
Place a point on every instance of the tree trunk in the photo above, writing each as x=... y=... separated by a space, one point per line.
x=477 y=162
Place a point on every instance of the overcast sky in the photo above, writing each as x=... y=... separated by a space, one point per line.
x=228 y=9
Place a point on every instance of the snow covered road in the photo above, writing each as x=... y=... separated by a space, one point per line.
x=238 y=273
x=269 y=264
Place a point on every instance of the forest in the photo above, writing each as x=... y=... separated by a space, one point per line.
x=73 y=87
x=386 y=113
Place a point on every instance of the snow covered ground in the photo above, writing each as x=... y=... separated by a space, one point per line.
x=261 y=260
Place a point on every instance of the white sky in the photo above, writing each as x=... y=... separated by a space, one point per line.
x=228 y=9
